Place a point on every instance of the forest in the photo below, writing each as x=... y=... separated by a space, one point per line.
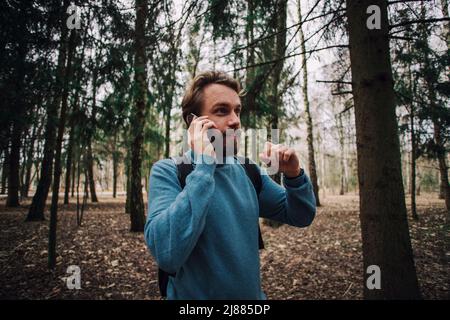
x=90 y=99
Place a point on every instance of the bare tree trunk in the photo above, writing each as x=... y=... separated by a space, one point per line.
x=443 y=169
x=29 y=162
x=73 y=169
x=12 y=199
x=385 y=233
x=68 y=165
x=413 y=166
x=342 y=157
x=90 y=159
x=5 y=169
x=70 y=150
x=90 y=171
x=309 y=122
x=137 y=211
x=128 y=188
x=115 y=164
x=57 y=166
x=279 y=51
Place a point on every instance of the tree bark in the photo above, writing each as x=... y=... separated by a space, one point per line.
x=12 y=199
x=385 y=233
x=413 y=166
x=137 y=212
x=5 y=169
x=115 y=164
x=90 y=171
x=69 y=155
x=57 y=166
x=309 y=123
x=279 y=51
x=90 y=158
x=29 y=161
x=340 y=129
x=70 y=150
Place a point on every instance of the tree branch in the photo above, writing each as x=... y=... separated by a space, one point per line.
x=338 y=93
x=405 y=23
x=335 y=81
x=288 y=56
x=276 y=33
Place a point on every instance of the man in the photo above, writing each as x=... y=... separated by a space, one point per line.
x=207 y=233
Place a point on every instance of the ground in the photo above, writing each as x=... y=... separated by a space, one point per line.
x=323 y=261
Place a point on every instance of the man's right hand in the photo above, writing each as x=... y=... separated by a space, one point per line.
x=198 y=137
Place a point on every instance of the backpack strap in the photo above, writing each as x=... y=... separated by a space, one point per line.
x=184 y=168
x=254 y=175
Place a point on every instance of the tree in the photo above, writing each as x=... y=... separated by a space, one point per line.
x=137 y=213
x=385 y=234
x=57 y=166
x=309 y=122
x=18 y=123
x=36 y=210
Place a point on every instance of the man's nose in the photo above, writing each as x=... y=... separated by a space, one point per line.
x=234 y=121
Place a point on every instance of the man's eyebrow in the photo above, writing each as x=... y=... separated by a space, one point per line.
x=225 y=104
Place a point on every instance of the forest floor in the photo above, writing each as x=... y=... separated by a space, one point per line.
x=323 y=261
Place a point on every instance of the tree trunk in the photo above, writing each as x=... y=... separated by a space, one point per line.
x=340 y=129
x=57 y=166
x=90 y=171
x=72 y=189
x=167 y=123
x=5 y=169
x=279 y=51
x=128 y=187
x=137 y=212
x=385 y=233
x=309 y=123
x=12 y=199
x=90 y=159
x=443 y=169
x=29 y=162
x=413 y=166
x=70 y=150
x=68 y=165
x=115 y=164
x=36 y=211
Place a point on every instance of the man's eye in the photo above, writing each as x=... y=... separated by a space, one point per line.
x=222 y=110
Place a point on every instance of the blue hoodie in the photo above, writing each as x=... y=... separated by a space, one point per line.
x=207 y=233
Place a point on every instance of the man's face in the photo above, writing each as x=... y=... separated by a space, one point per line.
x=222 y=105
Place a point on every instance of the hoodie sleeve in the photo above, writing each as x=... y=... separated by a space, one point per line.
x=294 y=205
x=176 y=217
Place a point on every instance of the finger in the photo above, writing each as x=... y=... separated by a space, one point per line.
x=264 y=158
x=199 y=124
x=268 y=148
x=200 y=118
x=287 y=155
x=275 y=151
x=207 y=126
x=280 y=151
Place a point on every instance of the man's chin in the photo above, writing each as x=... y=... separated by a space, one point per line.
x=230 y=148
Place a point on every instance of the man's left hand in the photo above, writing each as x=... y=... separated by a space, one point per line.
x=286 y=158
